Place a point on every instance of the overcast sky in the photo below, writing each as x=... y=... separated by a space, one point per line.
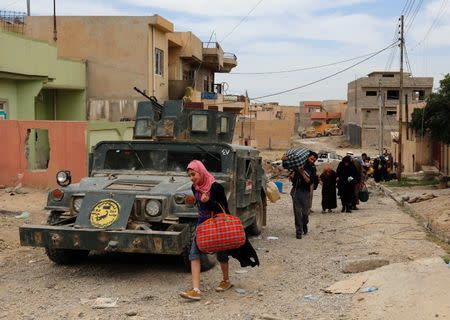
x=289 y=34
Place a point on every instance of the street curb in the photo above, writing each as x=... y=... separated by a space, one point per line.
x=428 y=224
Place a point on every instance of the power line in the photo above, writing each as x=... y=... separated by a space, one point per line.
x=200 y=65
x=242 y=20
x=434 y=24
x=416 y=11
x=327 y=77
x=304 y=68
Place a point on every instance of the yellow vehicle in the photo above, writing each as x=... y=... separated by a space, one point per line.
x=310 y=133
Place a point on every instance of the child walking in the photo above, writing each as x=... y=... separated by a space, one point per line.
x=210 y=198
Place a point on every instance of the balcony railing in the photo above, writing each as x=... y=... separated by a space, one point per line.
x=210 y=45
x=228 y=55
x=12 y=21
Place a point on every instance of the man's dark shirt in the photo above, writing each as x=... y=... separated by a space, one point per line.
x=299 y=183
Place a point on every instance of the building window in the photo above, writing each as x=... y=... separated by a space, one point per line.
x=3 y=113
x=371 y=93
x=188 y=74
x=159 y=62
x=393 y=94
x=388 y=75
x=419 y=95
x=391 y=113
x=205 y=83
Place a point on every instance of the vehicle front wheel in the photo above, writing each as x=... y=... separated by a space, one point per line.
x=66 y=256
x=303 y=136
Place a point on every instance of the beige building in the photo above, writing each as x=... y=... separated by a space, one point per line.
x=362 y=116
x=266 y=126
x=419 y=151
x=124 y=52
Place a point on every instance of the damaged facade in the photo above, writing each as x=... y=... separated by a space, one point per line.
x=362 y=114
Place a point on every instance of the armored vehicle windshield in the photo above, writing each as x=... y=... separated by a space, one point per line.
x=159 y=156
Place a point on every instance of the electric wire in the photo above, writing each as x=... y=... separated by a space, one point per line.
x=9 y=4
x=194 y=82
x=304 y=68
x=416 y=11
x=326 y=77
x=241 y=21
x=434 y=24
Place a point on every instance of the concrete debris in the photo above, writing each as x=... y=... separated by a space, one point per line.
x=104 y=303
x=356 y=266
x=131 y=313
x=423 y=197
x=349 y=286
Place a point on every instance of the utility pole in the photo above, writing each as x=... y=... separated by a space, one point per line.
x=380 y=122
x=28 y=8
x=54 y=21
x=400 y=102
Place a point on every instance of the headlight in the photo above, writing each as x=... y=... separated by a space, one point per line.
x=77 y=204
x=179 y=198
x=63 y=178
x=153 y=208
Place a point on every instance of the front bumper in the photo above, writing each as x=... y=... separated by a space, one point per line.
x=168 y=242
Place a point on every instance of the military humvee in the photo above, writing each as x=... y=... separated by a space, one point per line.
x=138 y=197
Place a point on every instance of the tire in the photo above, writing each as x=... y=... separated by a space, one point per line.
x=303 y=136
x=66 y=256
x=328 y=134
x=256 y=227
x=63 y=256
x=207 y=261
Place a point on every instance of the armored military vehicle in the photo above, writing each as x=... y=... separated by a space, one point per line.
x=138 y=197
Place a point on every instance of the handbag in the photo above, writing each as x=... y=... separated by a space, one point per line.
x=363 y=193
x=221 y=232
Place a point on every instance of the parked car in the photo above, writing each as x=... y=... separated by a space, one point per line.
x=138 y=197
x=310 y=133
x=333 y=131
x=327 y=157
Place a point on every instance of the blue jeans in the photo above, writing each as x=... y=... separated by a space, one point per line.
x=195 y=253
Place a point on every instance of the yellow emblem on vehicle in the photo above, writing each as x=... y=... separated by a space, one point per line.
x=105 y=213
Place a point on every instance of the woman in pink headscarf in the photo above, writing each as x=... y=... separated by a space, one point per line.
x=210 y=198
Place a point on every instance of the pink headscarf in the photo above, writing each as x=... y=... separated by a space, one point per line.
x=207 y=178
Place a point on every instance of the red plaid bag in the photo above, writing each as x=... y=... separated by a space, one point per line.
x=220 y=233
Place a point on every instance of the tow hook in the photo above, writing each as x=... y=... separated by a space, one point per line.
x=112 y=246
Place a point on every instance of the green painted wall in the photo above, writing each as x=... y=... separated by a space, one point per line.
x=8 y=93
x=71 y=105
x=27 y=91
x=30 y=65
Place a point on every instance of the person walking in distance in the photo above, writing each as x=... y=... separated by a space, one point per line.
x=328 y=182
x=346 y=177
x=302 y=178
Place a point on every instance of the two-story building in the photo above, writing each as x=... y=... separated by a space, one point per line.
x=365 y=95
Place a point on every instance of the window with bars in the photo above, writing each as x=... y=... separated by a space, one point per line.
x=159 y=62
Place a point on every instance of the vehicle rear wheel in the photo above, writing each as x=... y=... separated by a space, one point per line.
x=303 y=136
x=256 y=227
x=63 y=256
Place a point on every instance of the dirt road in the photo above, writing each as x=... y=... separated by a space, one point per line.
x=288 y=285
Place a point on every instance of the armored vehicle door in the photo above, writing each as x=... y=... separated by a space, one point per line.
x=246 y=182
